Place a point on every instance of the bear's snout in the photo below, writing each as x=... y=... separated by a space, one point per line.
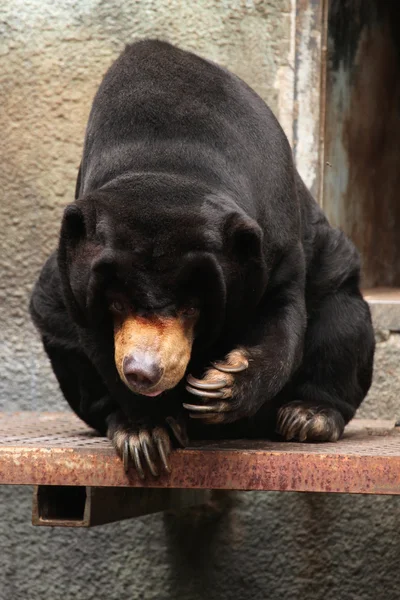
x=151 y=355
x=142 y=371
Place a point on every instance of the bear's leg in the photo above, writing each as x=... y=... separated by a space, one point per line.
x=262 y=358
x=336 y=370
x=81 y=385
x=307 y=385
x=141 y=441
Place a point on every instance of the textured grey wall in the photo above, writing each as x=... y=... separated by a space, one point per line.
x=53 y=55
x=270 y=547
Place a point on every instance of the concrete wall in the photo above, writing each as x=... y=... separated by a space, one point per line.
x=274 y=546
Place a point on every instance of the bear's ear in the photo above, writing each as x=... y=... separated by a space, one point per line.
x=73 y=228
x=243 y=240
x=243 y=237
x=74 y=275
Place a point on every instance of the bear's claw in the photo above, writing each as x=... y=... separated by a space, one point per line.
x=205 y=408
x=202 y=384
x=215 y=387
x=232 y=368
x=145 y=445
x=308 y=422
x=178 y=430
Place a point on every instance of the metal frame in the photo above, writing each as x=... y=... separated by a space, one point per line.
x=57 y=449
x=82 y=506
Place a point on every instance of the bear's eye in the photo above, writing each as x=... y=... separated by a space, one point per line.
x=116 y=306
x=189 y=311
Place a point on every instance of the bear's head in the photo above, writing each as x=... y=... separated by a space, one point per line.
x=167 y=267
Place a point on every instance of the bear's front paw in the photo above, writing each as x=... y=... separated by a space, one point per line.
x=145 y=442
x=221 y=390
x=308 y=422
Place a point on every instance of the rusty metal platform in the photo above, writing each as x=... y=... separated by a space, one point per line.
x=58 y=449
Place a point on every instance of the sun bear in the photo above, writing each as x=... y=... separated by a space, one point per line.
x=197 y=288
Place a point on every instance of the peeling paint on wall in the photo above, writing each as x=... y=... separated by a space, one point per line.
x=284 y=79
x=362 y=133
x=310 y=27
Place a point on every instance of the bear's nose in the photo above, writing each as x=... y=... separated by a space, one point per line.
x=142 y=371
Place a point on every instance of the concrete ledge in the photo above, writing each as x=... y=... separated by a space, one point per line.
x=385 y=308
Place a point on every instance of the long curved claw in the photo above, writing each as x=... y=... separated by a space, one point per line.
x=145 y=447
x=283 y=419
x=163 y=455
x=206 y=408
x=125 y=455
x=210 y=418
x=150 y=463
x=204 y=394
x=202 y=384
x=289 y=427
x=235 y=368
x=178 y=431
x=136 y=458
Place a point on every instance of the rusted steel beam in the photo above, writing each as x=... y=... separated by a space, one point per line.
x=80 y=506
x=57 y=449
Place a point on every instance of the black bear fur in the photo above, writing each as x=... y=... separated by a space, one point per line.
x=187 y=190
